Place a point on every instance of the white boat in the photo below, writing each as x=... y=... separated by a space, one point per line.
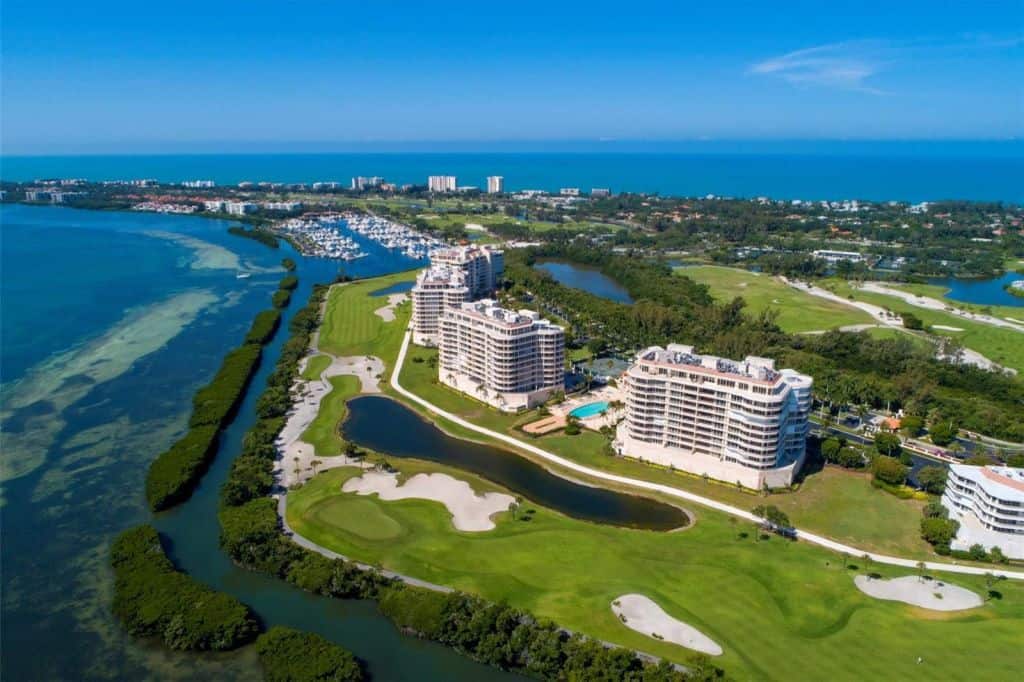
x=243 y=275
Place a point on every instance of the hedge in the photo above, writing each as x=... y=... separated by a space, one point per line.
x=264 y=327
x=288 y=655
x=175 y=472
x=153 y=599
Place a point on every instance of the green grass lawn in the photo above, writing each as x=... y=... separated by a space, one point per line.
x=323 y=433
x=350 y=326
x=798 y=311
x=1004 y=346
x=780 y=609
x=315 y=366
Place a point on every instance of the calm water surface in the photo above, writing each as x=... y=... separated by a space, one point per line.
x=110 y=321
x=387 y=426
x=982 y=291
x=787 y=170
x=586 y=278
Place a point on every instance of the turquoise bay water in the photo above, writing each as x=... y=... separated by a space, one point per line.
x=873 y=171
x=590 y=409
x=110 y=321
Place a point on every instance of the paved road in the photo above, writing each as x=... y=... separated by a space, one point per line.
x=675 y=492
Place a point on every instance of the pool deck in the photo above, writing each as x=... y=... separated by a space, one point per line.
x=602 y=394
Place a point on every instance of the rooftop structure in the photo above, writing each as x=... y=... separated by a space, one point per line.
x=512 y=360
x=437 y=288
x=988 y=501
x=737 y=421
x=482 y=264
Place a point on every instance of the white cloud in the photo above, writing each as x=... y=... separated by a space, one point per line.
x=846 y=66
x=854 y=65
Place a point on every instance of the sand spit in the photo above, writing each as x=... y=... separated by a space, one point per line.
x=643 y=615
x=470 y=512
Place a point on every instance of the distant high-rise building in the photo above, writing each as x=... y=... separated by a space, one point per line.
x=569 y=191
x=731 y=420
x=361 y=183
x=442 y=183
x=600 y=192
x=199 y=184
x=495 y=184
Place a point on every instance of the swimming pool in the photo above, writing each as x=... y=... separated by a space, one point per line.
x=589 y=410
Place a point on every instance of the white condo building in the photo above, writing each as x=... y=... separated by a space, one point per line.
x=482 y=264
x=437 y=288
x=456 y=275
x=442 y=183
x=495 y=184
x=510 y=360
x=988 y=501
x=734 y=421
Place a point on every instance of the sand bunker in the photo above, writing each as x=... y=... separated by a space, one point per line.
x=639 y=613
x=947 y=328
x=470 y=512
x=387 y=313
x=928 y=594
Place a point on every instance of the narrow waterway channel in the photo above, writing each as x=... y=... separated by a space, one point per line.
x=192 y=530
x=387 y=426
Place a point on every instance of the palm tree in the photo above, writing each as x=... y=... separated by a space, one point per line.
x=920 y=570
x=314 y=464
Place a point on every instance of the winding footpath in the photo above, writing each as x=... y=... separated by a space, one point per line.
x=669 y=490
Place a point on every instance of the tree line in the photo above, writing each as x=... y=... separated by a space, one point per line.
x=847 y=367
x=175 y=472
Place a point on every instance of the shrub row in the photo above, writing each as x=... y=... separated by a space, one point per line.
x=495 y=634
x=175 y=472
x=153 y=599
x=288 y=655
x=264 y=327
x=262 y=236
x=281 y=298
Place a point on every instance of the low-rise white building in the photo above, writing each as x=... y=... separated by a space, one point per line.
x=834 y=257
x=240 y=207
x=437 y=288
x=510 y=360
x=988 y=502
x=735 y=421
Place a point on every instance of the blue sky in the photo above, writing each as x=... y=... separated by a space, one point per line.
x=108 y=76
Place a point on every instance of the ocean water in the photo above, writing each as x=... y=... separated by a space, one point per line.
x=879 y=172
x=110 y=321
